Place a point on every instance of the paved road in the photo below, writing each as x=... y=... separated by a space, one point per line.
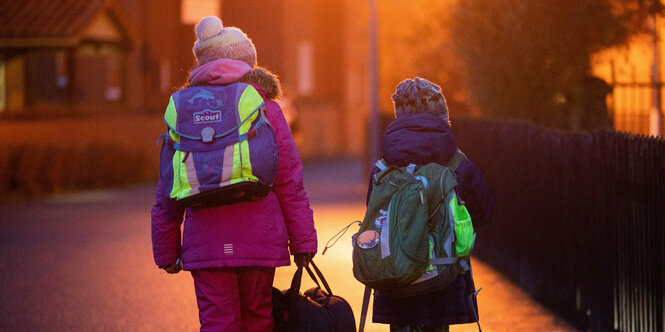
x=83 y=262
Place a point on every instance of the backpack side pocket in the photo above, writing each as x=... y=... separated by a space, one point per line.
x=464 y=233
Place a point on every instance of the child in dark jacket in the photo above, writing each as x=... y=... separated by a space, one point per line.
x=421 y=134
x=232 y=250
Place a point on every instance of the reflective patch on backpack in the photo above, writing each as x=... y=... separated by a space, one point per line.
x=384 y=238
x=228 y=248
x=383 y=219
x=367 y=239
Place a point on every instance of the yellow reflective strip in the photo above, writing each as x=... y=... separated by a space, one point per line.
x=171 y=114
x=246 y=165
x=181 y=187
x=242 y=169
x=237 y=164
x=249 y=101
x=176 y=179
x=175 y=137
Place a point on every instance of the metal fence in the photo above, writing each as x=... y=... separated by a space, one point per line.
x=580 y=220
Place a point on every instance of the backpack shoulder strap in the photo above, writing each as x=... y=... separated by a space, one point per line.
x=456 y=160
x=381 y=165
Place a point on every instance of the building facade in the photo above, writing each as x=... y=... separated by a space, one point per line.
x=80 y=57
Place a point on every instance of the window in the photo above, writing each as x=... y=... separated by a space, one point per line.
x=103 y=84
x=305 y=68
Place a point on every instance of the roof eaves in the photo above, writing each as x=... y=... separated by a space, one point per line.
x=120 y=16
x=38 y=42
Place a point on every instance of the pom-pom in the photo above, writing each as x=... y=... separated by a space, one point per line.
x=208 y=27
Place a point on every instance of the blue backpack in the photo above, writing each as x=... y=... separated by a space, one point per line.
x=219 y=148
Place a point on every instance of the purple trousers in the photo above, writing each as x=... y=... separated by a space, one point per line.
x=235 y=298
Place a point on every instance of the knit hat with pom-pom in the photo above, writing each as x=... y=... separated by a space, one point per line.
x=419 y=96
x=218 y=42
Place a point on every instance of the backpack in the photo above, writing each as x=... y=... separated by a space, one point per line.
x=417 y=234
x=219 y=148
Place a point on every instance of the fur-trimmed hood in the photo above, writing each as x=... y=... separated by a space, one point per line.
x=226 y=71
x=266 y=80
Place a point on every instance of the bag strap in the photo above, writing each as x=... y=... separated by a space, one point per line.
x=456 y=160
x=338 y=236
x=320 y=275
x=381 y=165
x=363 y=312
x=473 y=296
x=444 y=260
x=453 y=163
x=297 y=279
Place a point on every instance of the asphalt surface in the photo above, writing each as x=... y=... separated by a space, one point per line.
x=83 y=262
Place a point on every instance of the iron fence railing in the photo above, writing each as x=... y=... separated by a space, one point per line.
x=580 y=219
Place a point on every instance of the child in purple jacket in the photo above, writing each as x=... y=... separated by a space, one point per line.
x=421 y=134
x=232 y=250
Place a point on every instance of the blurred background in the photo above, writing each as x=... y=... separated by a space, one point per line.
x=584 y=66
x=558 y=102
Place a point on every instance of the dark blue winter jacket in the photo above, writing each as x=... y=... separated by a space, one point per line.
x=420 y=139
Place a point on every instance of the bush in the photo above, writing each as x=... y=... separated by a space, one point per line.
x=30 y=169
x=36 y=169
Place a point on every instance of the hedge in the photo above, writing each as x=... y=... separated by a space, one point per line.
x=39 y=169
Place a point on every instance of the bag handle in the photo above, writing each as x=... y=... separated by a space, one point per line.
x=384 y=168
x=297 y=279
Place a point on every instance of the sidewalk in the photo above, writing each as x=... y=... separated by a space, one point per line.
x=92 y=250
x=337 y=190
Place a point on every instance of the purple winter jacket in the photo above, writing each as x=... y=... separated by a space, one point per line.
x=258 y=233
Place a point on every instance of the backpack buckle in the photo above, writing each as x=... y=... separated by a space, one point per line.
x=207 y=134
x=411 y=168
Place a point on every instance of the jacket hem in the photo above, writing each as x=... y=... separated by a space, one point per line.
x=234 y=263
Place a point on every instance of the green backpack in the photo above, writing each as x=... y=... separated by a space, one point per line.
x=417 y=234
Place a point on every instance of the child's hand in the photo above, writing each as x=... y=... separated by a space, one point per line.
x=302 y=260
x=173 y=268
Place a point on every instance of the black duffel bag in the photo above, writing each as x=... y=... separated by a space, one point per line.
x=316 y=310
